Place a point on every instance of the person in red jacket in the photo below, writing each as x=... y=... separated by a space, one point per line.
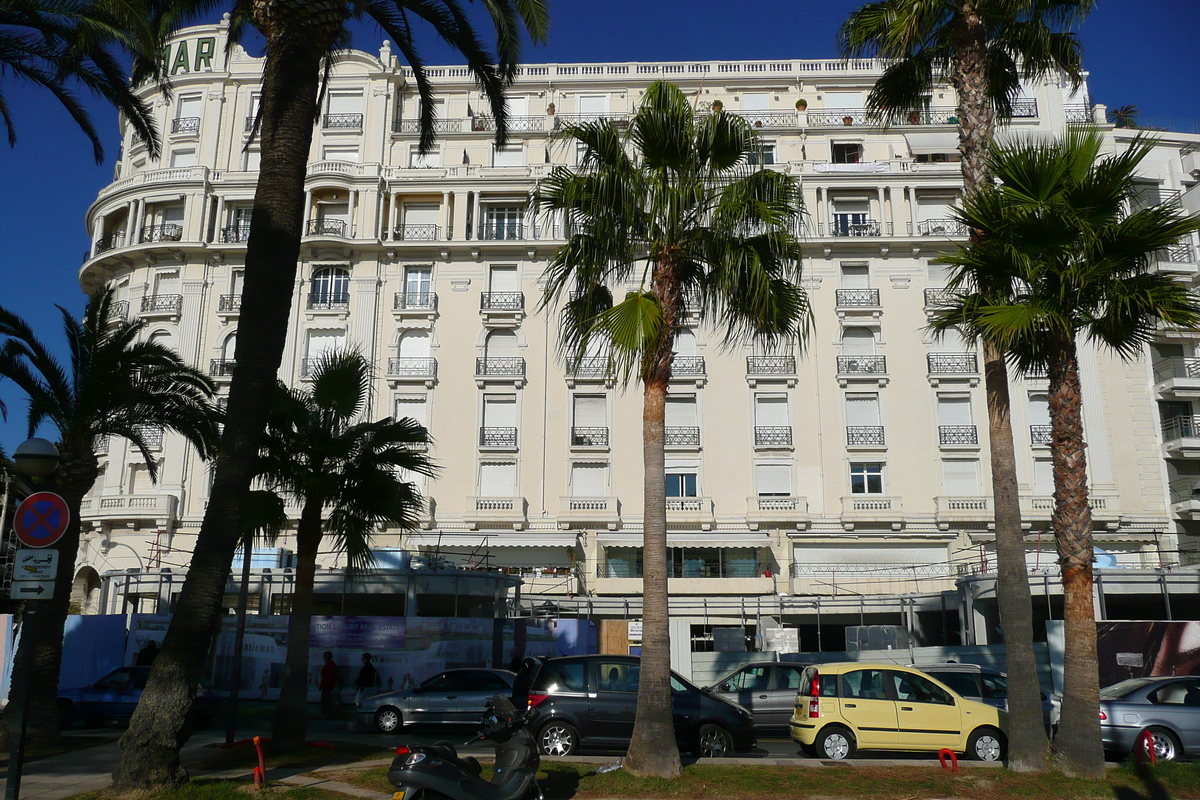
x=328 y=686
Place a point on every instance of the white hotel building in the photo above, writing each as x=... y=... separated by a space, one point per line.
x=843 y=483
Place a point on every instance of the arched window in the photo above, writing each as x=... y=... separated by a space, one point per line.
x=858 y=341
x=162 y=339
x=685 y=343
x=229 y=347
x=330 y=288
x=500 y=344
x=414 y=344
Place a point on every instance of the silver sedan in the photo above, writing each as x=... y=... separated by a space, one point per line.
x=453 y=697
x=1168 y=709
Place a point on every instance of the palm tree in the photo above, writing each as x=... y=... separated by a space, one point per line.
x=114 y=385
x=981 y=48
x=300 y=37
x=1065 y=257
x=347 y=476
x=61 y=44
x=1123 y=116
x=672 y=204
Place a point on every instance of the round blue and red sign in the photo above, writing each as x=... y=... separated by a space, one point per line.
x=41 y=519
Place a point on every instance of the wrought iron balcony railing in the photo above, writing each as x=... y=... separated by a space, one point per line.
x=583 y=119
x=687 y=366
x=589 y=437
x=329 y=301
x=235 y=234
x=502 y=231
x=958 y=434
x=941 y=227
x=229 y=303
x=414 y=301
x=1078 y=114
x=497 y=437
x=170 y=232
x=342 y=122
x=862 y=365
x=185 y=125
x=440 y=125
x=770 y=119
x=1024 y=108
x=952 y=363
x=1039 y=435
x=850 y=298
x=772 y=436
x=1168 y=368
x=835 y=117
x=1181 y=253
x=162 y=304
x=770 y=365
x=1181 y=428
x=502 y=301
x=507 y=367
x=681 y=436
x=152 y=435
x=939 y=115
x=484 y=122
x=844 y=227
x=325 y=227
x=864 y=435
x=109 y=242
x=939 y=297
x=119 y=310
x=410 y=367
x=587 y=366
x=221 y=367
x=248 y=125
x=415 y=233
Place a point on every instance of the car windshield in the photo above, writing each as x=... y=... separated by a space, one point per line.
x=1126 y=687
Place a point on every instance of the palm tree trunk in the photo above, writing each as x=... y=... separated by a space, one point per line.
x=291 y=77
x=290 y=726
x=968 y=76
x=1077 y=742
x=1027 y=743
x=239 y=640
x=652 y=748
x=42 y=633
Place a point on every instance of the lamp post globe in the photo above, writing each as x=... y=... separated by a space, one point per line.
x=36 y=458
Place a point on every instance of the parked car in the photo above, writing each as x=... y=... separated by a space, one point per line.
x=767 y=689
x=116 y=695
x=1167 y=708
x=456 y=696
x=851 y=706
x=590 y=701
x=986 y=686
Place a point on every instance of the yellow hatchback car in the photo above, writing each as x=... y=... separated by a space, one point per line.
x=845 y=707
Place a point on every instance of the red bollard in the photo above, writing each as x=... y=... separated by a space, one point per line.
x=953 y=766
x=1144 y=748
x=258 y=778
x=260 y=772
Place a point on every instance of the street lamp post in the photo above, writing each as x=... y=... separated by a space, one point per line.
x=36 y=458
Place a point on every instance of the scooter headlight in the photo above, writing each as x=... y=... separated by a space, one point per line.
x=415 y=758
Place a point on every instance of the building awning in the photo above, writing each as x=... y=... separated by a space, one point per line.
x=927 y=143
x=1009 y=137
x=483 y=541
x=690 y=539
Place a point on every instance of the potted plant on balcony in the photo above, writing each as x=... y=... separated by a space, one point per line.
x=718 y=106
x=550 y=110
x=914 y=117
x=847 y=120
x=801 y=104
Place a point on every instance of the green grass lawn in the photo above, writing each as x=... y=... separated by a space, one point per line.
x=243 y=755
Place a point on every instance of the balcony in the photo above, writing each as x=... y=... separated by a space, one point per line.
x=169 y=232
x=109 y=242
x=502 y=232
x=884 y=578
x=495 y=512
x=871 y=508
x=414 y=301
x=152 y=436
x=773 y=437
x=690 y=512
x=837 y=118
x=526 y=124
x=119 y=310
x=1078 y=114
x=498 y=438
x=1178 y=260
x=1181 y=437
x=777 y=512
x=770 y=366
x=1024 y=108
x=1040 y=508
x=586 y=511
x=412 y=369
x=938 y=298
x=587 y=368
x=865 y=436
x=770 y=120
x=440 y=125
x=1179 y=377
x=342 y=122
x=509 y=369
x=952 y=363
x=229 y=304
x=942 y=227
x=1185 y=503
x=502 y=301
x=683 y=437
x=956 y=510
x=235 y=234
x=857 y=298
x=958 y=436
x=560 y=120
x=185 y=125
x=118 y=511
x=859 y=366
x=162 y=305
x=842 y=227
x=221 y=367
x=687 y=367
x=1039 y=435
x=326 y=227
x=416 y=233
x=589 y=437
x=329 y=301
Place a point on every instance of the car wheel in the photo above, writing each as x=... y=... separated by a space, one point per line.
x=558 y=739
x=388 y=719
x=1164 y=744
x=713 y=741
x=986 y=744
x=835 y=742
x=66 y=714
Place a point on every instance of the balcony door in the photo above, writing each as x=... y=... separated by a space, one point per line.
x=589 y=480
x=497 y=479
x=414 y=344
x=504 y=279
x=850 y=217
x=773 y=480
x=770 y=411
x=862 y=410
x=503 y=221
x=500 y=344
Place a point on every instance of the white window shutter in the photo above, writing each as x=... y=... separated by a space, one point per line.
x=954 y=410
x=1043 y=477
x=862 y=410
x=504 y=279
x=854 y=276
x=414 y=408
x=421 y=214
x=497 y=479
x=501 y=344
x=771 y=412
x=773 y=479
x=960 y=478
x=592 y=104
x=1039 y=410
x=858 y=341
x=681 y=412
x=414 y=344
x=500 y=411
x=685 y=343
x=590 y=411
x=589 y=480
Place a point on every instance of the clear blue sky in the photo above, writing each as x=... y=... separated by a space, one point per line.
x=1141 y=52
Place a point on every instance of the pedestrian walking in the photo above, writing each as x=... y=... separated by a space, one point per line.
x=146 y=656
x=367 y=682
x=328 y=686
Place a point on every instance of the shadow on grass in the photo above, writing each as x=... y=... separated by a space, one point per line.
x=1153 y=786
x=561 y=784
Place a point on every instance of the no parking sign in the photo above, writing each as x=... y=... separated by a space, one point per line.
x=41 y=519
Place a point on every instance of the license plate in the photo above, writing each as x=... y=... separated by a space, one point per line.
x=398 y=795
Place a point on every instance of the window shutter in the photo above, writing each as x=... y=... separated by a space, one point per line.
x=345 y=103
x=497 y=480
x=512 y=155
x=862 y=410
x=771 y=412
x=773 y=480
x=190 y=106
x=681 y=412
x=854 y=276
x=504 y=279
x=1039 y=410
x=954 y=410
x=858 y=342
x=501 y=344
x=414 y=344
x=1043 y=477
x=229 y=347
x=685 y=343
x=592 y=104
x=756 y=101
x=423 y=214
x=414 y=408
x=847 y=100
x=500 y=411
x=589 y=480
x=518 y=106
x=590 y=411
x=960 y=478
x=167 y=283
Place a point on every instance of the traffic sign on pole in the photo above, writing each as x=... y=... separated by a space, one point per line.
x=31 y=590
x=35 y=565
x=41 y=519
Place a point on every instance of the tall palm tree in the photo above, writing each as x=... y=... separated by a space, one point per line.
x=1065 y=258
x=300 y=37
x=63 y=44
x=673 y=205
x=1123 y=116
x=346 y=474
x=114 y=385
x=982 y=48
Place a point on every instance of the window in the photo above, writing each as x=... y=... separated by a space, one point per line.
x=618 y=677
x=504 y=278
x=749 y=679
x=866 y=478
x=961 y=682
x=503 y=222
x=756 y=101
x=1043 y=477
x=589 y=480
x=497 y=479
x=345 y=110
x=562 y=676
x=431 y=159
x=682 y=484
x=852 y=217
x=413 y=344
x=331 y=285
x=767 y=155
x=253 y=160
x=912 y=688
x=415 y=408
x=995 y=687
x=187 y=114
x=855 y=276
x=339 y=152
x=862 y=410
x=512 y=155
x=1039 y=409
x=865 y=684
x=773 y=480
x=592 y=104
x=590 y=411
x=685 y=343
x=418 y=281
x=167 y=283
x=858 y=341
x=960 y=478
x=321 y=343
x=954 y=409
x=500 y=344
x=846 y=152
x=1183 y=693
x=185 y=157
x=787 y=677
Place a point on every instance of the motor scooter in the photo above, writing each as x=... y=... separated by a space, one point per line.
x=433 y=772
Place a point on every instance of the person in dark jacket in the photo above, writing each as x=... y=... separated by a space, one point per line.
x=367 y=682
x=328 y=686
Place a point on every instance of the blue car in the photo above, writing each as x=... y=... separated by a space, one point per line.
x=116 y=695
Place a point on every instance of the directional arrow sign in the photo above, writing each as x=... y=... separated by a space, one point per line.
x=32 y=590
x=35 y=565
